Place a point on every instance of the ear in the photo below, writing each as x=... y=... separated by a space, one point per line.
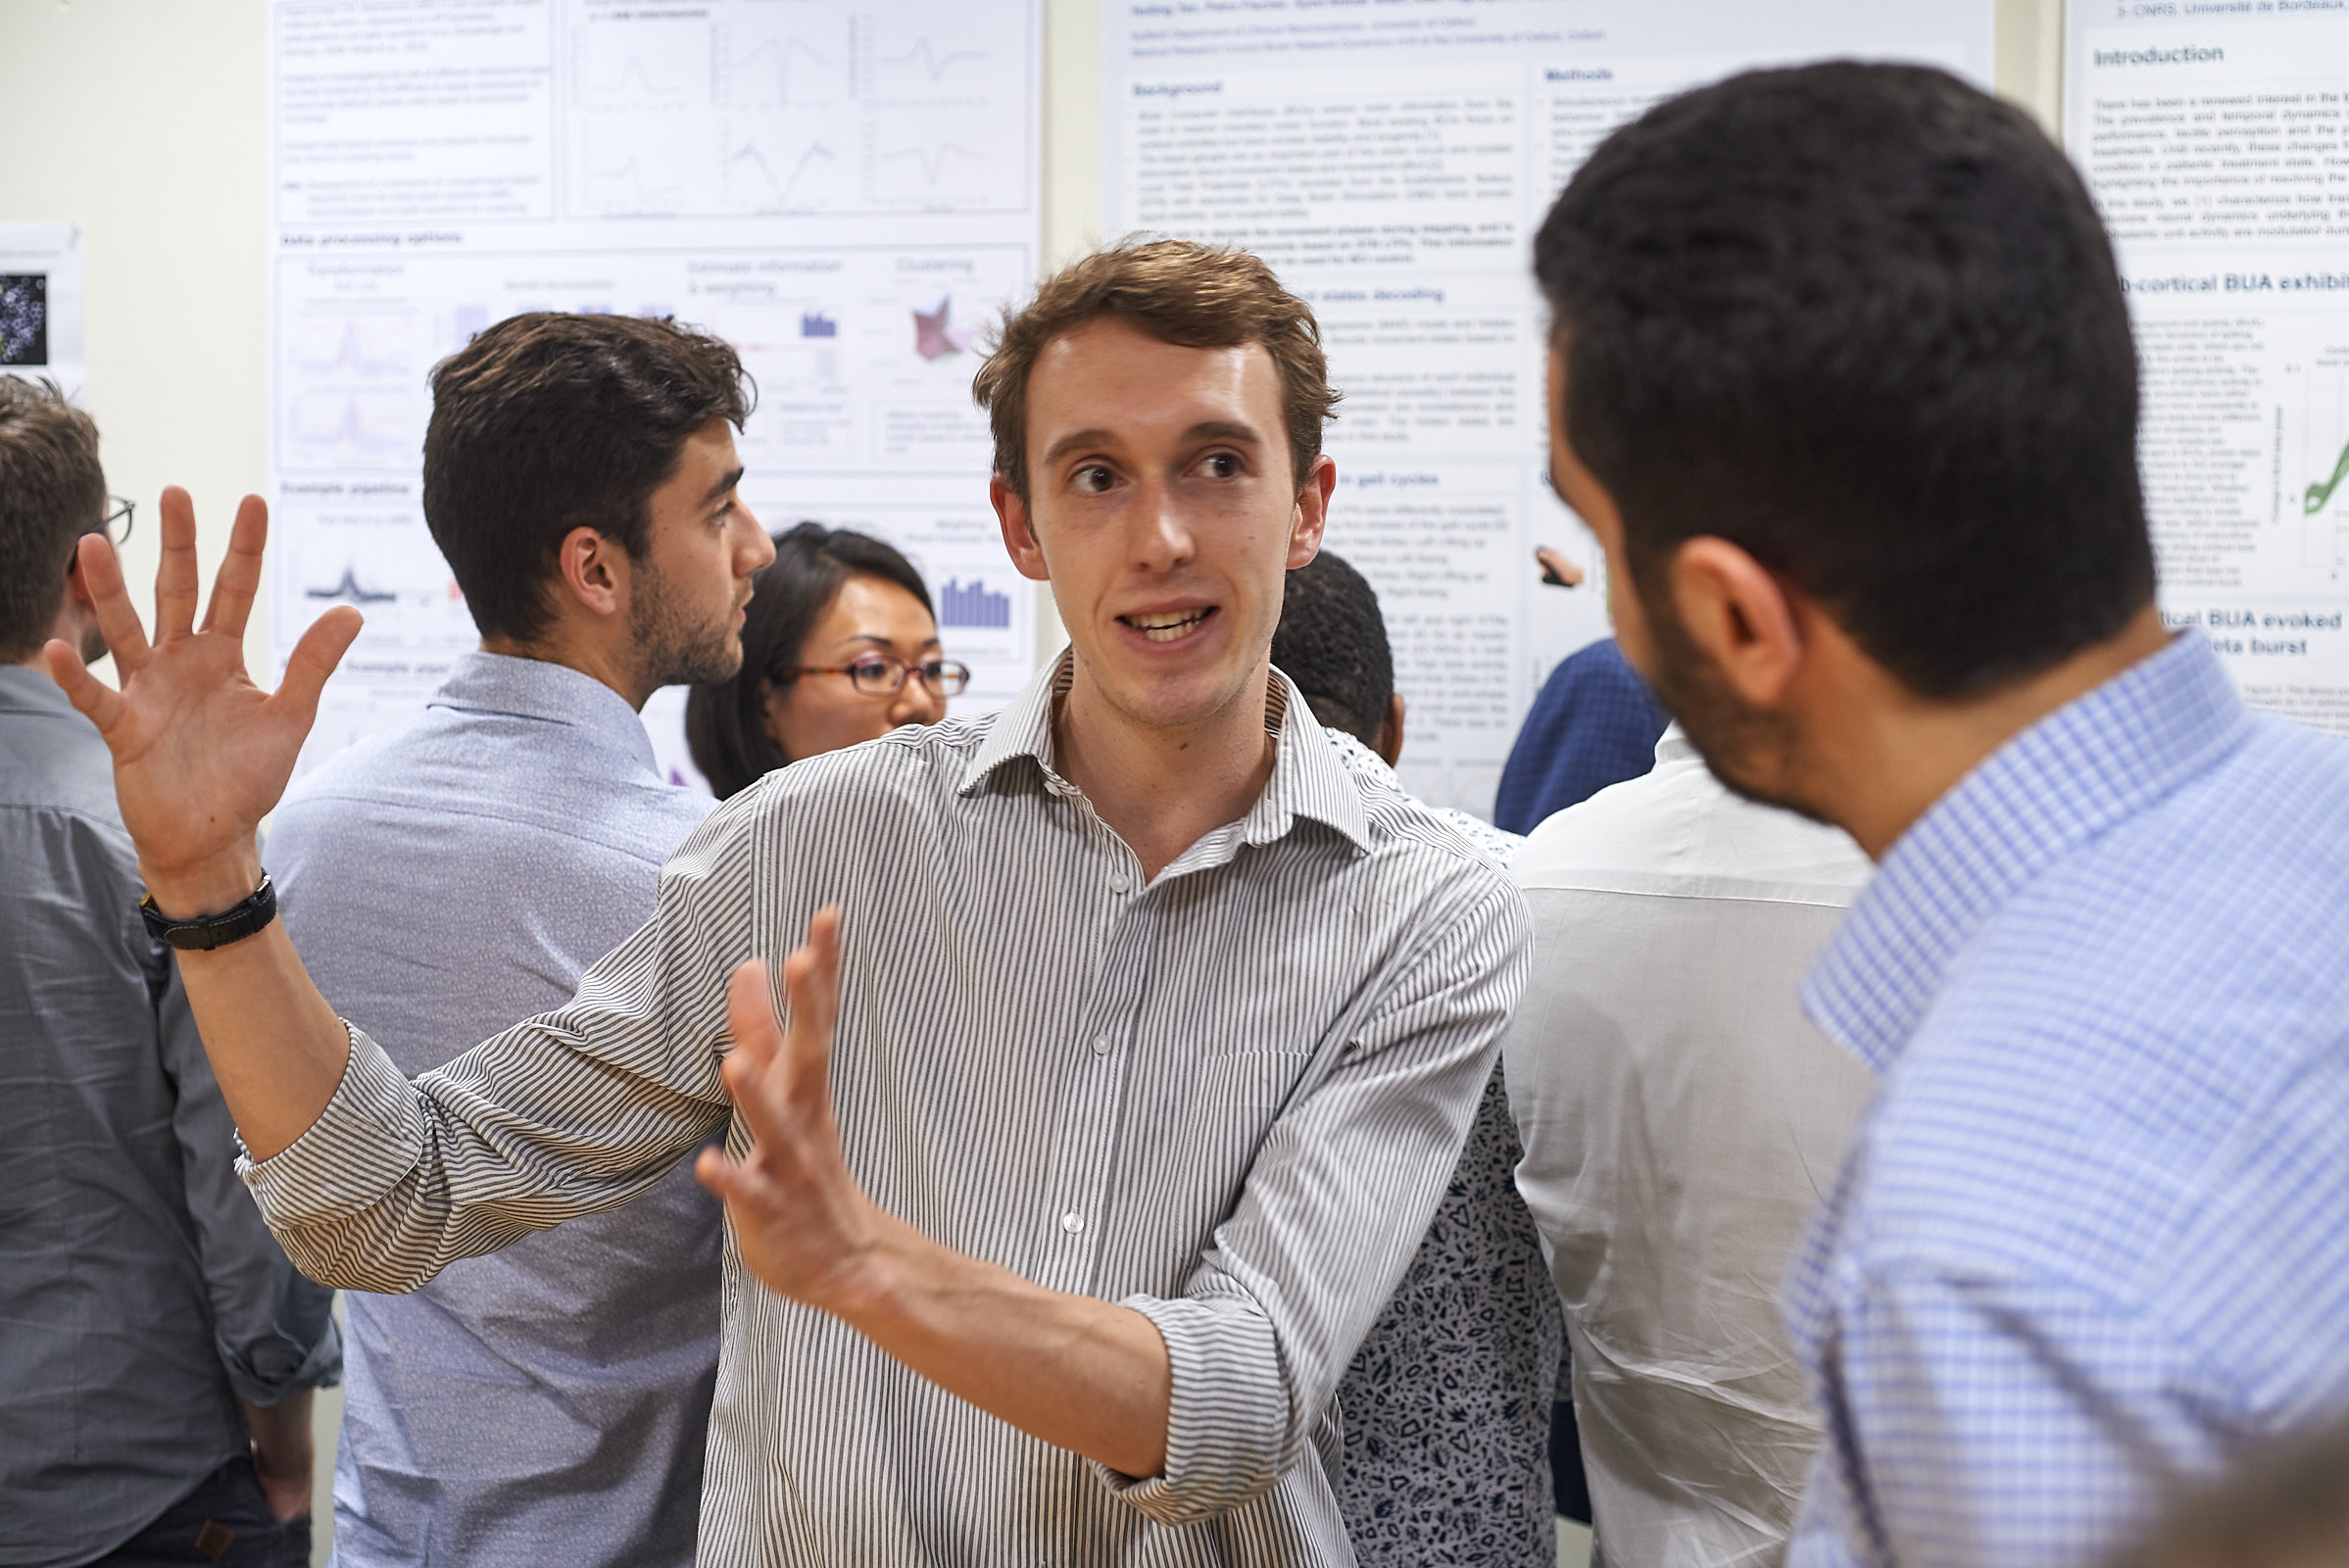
x=1389 y=742
x=592 y=571
x=1311 y=514
x=1741 y=616
x=1019 y=530
x=78 y=587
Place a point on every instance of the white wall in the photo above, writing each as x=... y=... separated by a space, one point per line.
x=142 y=120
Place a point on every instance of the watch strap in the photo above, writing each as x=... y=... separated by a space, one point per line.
x=210 y=931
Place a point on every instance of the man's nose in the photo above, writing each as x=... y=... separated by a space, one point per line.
x=1163 y=538
x=761 y=549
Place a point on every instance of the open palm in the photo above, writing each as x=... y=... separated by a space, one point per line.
x=201 y=753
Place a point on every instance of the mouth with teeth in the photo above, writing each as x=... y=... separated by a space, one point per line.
x=1168 y=625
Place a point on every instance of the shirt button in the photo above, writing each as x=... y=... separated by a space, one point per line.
x=1072 y=1222
x=1100 y=1045
x=1118 y=882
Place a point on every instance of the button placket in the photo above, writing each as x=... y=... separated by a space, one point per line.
x=1089 y=1135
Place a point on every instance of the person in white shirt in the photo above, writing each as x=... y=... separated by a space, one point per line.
x=1679 y=1117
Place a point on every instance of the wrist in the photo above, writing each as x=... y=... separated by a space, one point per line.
x=870 y=1291
x=208 y=887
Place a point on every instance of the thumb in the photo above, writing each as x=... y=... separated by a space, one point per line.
x=313 y=659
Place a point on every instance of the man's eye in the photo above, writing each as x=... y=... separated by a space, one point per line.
x=1221 y=466
x=1095 y=478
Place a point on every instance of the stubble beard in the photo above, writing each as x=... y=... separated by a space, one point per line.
x=673 y=647
x=1736 y=740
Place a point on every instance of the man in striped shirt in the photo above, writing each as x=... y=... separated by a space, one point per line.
x=1132 y=1044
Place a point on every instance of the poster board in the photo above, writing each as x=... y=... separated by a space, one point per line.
x=2217 y=146
x=846 y=193
x=1393 y=163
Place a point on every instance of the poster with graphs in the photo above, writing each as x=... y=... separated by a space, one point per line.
x=2217 y=146
x=1394 y=164
x=846 y=193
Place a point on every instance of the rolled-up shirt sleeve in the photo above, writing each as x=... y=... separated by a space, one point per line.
x=570 y=1113
x=272 y=1329
x=1333 y=1210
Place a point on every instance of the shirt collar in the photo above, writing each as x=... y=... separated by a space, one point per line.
x=1674 y=746
x=2092 y=763
x=556 y=694
x=23 y=690
x=1308 y=778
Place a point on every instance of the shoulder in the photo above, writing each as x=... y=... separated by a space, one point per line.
x=2146 y=1057
x=1677 y=831
x=869 y=794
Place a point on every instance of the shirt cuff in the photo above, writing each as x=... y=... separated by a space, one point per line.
x=366 y=1142
x=1229 y=1433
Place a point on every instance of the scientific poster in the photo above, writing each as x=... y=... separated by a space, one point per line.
x=2216 y=138
x=1393 y=162
x=40 y=304
x=846 y=193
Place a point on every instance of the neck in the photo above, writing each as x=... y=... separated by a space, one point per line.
x=1163 y=788
x=1901 y=753
x=588 y=657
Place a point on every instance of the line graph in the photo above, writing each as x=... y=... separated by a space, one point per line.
x=777 y=189
x=2315 y=497
x=725 y=108
x=350 y=346
x=638 y=62
x=2312 y=434
x=636 y=84
x=361 y=429
x=625 y=189
x=932 y=161
x=349 y=589
x=776 y=72
x=934 y=62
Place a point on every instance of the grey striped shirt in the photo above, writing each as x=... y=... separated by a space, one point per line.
x=1228 y=1097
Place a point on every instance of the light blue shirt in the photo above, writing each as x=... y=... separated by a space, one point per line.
x=2095 y=1234
x=549 y=1403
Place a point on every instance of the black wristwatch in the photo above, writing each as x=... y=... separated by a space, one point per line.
x=206 y=932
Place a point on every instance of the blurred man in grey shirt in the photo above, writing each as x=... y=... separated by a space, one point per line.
x=157 y=1352
x=1679 y=1117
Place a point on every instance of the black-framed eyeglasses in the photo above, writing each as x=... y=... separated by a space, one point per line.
x=879 y=676
x=118 y=509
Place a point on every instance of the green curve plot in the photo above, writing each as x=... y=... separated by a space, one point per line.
x=2318 y=494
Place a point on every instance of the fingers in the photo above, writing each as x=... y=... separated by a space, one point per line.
x=176 y=579
x=812 y=986
x=750 y=1017
x=780 y=1077
x=313 y=659
x=731 y=1180
x=238 y=581
x=117 y=618
x=98 y=702
x=1556 y=569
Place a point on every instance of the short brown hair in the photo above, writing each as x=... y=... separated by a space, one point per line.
x=549 y=422
x=52 y=492
x=1181 y=292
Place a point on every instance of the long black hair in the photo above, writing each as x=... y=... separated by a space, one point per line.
x=726 y=724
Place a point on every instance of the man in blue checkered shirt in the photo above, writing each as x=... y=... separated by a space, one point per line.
x=1842 y=381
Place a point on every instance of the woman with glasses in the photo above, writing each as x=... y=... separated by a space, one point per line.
x=840 y=646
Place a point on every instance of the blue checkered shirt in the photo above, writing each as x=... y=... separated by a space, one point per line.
x=1593 y=723
x=2094 y=1235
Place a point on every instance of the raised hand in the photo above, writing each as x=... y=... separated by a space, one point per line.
x=801 y=1222
x=201 y=753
